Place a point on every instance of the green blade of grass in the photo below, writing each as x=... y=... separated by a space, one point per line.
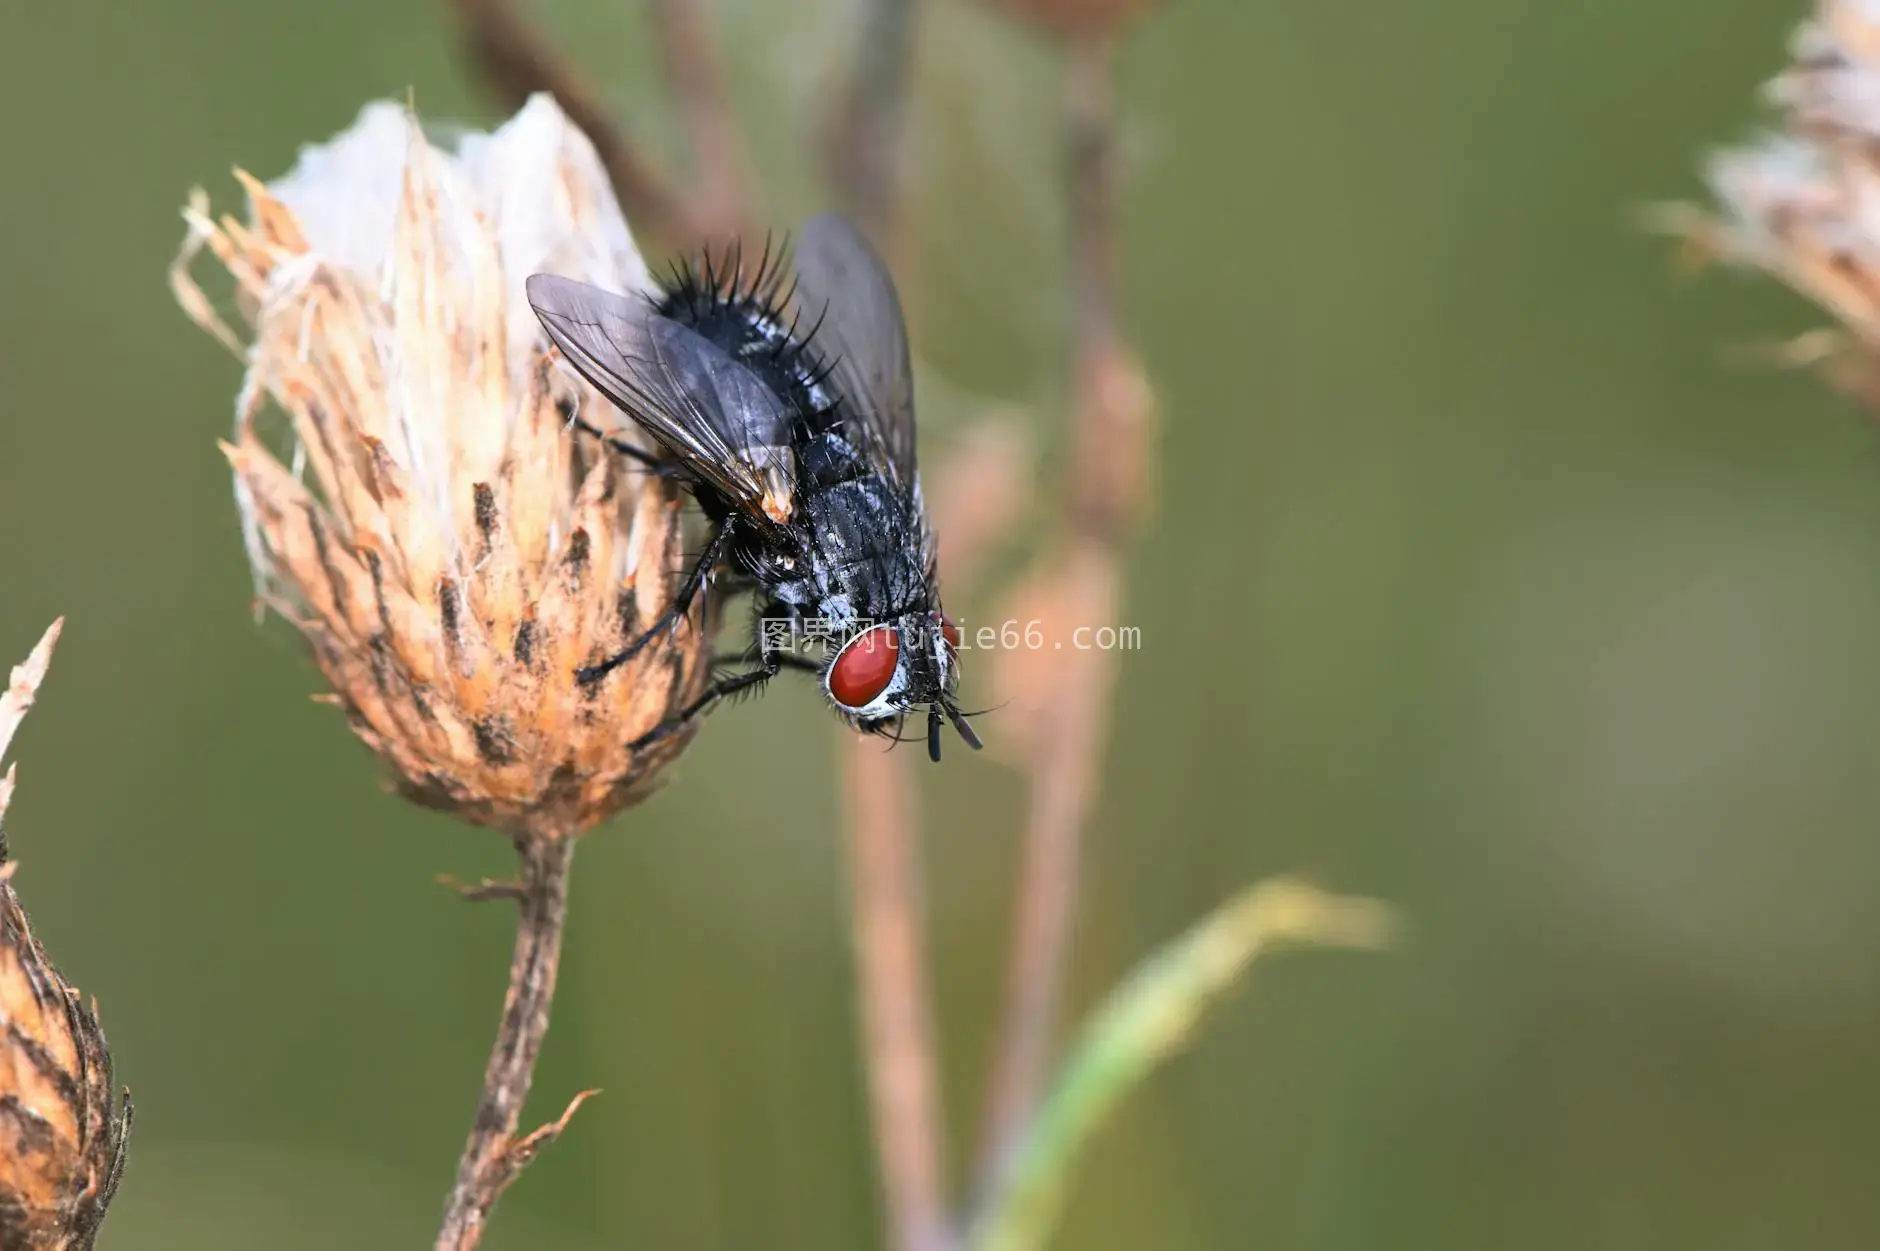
x=1145 y=1020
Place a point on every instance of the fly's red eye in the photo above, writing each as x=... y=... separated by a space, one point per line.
x=864 y=667
x=948 y=631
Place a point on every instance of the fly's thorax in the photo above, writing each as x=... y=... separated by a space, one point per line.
x=828 y=458
x=748 y=321
x=867 y=546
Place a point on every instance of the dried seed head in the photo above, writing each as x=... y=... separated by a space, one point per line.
x=1803 y=203
x=62 y=1131
x=449 y=547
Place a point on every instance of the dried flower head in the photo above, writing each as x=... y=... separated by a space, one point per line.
x=1803 y=202
x=62 y=1131
x=452 y=551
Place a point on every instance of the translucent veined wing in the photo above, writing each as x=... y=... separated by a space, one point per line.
x=844 y=291
x=717 y=417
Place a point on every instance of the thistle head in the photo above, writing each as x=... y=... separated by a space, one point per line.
x=62 y=1128
x=452 y=549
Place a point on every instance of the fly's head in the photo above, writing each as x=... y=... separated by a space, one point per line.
x=893 y=669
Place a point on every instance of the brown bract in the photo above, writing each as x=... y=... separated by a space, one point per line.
x=451 y=549
x=62 y=1131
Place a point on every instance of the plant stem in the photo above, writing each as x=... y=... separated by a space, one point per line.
x=1063 y=787
x=897 y=1026
x=493 y=1156
x=866 y=142
x=696 y=76
x=1112 y=418
x=516 y=59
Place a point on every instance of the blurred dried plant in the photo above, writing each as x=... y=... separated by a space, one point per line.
x=1802 y=202
x=460 y=550
x=62 y=1129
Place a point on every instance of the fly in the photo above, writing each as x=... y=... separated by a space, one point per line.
x=785 y=405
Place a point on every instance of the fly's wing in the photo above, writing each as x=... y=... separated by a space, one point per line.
x=844 y=290
x=718 y=418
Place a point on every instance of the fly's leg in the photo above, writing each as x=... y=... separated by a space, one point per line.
x=695 y=579
x=785 y=660
x=769 y=664
x=650 y=461
x=735 y=583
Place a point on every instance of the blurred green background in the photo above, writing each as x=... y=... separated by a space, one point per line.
x=1483 y=578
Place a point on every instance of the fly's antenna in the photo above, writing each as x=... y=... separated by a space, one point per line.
x=960 y=723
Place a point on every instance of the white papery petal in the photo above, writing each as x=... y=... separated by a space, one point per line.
x=532 y=197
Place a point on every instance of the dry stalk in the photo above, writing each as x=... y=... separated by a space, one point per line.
x=718 y=204
x=863 y=161
x=494 y=1155
x=517 y=59
x=896 y=1010
x=1113 y=409
x=980 y=491
x=866 y=140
